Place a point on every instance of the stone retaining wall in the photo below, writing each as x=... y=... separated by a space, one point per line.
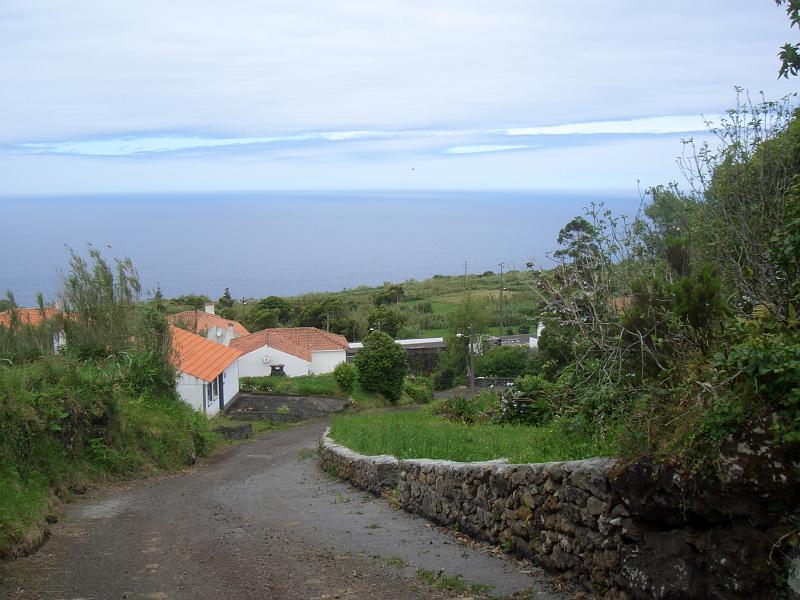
x=579 y=518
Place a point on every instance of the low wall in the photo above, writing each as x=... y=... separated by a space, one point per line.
x=580 y=518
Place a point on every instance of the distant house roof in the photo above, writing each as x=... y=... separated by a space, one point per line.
x=297 y=341
x=205 y=321
x=409 y=344
x=195 y=355
x=28 y=316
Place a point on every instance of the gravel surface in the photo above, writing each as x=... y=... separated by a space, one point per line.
x=258 y=520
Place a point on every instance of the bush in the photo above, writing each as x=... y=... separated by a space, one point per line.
x=382 y=365
x=483 y=408
x=504 y=361
x=420 y=389
x=528 y=401
x=345 y=375
x=304 y=385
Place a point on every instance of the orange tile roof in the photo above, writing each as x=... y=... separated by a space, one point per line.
x=205 y=321
x=297 y=341
x=28 y=316
x=195 y=355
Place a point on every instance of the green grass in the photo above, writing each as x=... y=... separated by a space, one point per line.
x=423 y=435
x=317 y=385
x=456 y=583
x=304 y=385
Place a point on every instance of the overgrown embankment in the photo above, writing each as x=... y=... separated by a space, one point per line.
x=66 y=423
x=103 y=406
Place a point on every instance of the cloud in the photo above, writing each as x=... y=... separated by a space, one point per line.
x=483 y=148
x=648 y=125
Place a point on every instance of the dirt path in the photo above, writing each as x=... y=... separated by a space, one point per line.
x=257 y=521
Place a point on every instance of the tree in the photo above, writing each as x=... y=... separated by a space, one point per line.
x=790 y=53
x=386 y=320
x=261 y=318
x=505 y=361
x=195 y=301
x=470 y=317
x=284 y=308
x=321 y=314
x=390 y=294
x=226 y=300
x=382 y=365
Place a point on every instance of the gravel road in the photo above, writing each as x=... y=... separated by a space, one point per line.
x=258 y=520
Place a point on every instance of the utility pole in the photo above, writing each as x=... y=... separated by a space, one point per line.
x=465 y=276
x=501 y=297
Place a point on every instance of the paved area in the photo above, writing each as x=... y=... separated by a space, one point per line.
x=259 y=520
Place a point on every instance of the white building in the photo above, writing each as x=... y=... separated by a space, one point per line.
x=209 y=324
x=208 y=372
x=292 y=351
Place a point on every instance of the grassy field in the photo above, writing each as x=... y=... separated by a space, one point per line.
x=423 y=435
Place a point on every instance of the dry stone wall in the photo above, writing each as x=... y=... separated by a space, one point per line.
x=615 y=530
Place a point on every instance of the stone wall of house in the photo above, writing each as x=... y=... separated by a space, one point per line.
x=622 y=532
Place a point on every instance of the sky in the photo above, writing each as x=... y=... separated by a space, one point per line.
x=102 y=96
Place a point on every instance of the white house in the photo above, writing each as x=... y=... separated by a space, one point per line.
x=209 y=324
x=208 y=372
x=292 y=351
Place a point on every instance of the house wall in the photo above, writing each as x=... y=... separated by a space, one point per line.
x=252 y=364
x=325 y=361
x=230 y=382
x=190 y=389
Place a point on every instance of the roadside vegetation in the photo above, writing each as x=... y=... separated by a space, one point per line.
x=423 y=434
x=104 y=406
x=666 y=332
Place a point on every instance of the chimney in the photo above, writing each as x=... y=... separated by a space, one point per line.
x=229 y=335
x=210 y=308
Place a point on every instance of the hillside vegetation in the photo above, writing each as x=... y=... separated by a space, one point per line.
x=408 y=309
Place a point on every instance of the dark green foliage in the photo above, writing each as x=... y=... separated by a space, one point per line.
x=390 y=294
x=697 y=298
x=529 y=401
x=419 y=389
x=304 y=385
x=387 y=320
x=261 y=318
x=381 y=365
x=483 y=408
x=225 y=301
x=345 y=374
x=192 y=301
x=790 y=53
x=504 y=361
x=281 y=306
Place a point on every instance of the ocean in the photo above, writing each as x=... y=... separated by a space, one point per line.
x=283 y=243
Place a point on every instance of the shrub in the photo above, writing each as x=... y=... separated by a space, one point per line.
x=382 y=365
x=345 y=375
x=504 y=361
x=528 y=401
x=420 y=389
x=483 y=408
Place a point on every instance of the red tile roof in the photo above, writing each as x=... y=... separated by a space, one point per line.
x=297 y=341
x=205 y=321
x=28 y=316
x=195 y=355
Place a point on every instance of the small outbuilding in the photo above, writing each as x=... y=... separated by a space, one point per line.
x=208 y=377
x=291 y=351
